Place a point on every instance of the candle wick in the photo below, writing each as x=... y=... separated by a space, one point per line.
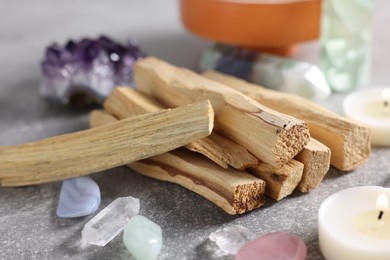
x=386 y=103
x=380 y=215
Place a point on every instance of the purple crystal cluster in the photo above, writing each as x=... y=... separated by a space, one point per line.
x=87 y=70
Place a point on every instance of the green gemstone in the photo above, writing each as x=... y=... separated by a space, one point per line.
x=143 y=238
x=346 y=43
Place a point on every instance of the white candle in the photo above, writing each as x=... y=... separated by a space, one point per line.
x=371 y=107
x=349 y=224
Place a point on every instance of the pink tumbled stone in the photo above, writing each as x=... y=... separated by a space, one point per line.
x=279 y=245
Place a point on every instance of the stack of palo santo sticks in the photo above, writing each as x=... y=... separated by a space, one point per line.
x=227 y=140
x=260 y=144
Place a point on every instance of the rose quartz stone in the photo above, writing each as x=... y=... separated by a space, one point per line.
x=279 y=245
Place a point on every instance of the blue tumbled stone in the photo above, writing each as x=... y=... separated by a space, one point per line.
x=79 y=197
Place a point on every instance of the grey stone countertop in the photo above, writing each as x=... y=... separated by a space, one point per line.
x=29 y=227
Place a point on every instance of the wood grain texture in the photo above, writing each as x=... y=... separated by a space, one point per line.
x=125 y=102
x=280 y=182
x=93 y=150
x=234 y=191
x=271 y=136
x=315 y=157
x=349 y=142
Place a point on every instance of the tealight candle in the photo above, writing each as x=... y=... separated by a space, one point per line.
x=371 y=107
x=355 y=224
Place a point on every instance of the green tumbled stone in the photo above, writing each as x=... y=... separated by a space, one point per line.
x=143 y=238
x=346 y=43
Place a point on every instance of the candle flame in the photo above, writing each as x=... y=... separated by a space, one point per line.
x=385 y=96
x=382 y=203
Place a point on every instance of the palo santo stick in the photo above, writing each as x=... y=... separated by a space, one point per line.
x=234 y=191
x=125 y=102
x=272 y=137
x=101 y=117
x=97 y=149
x=279 y=182
x=316 y=160
x=234 y=154
x=348 y=141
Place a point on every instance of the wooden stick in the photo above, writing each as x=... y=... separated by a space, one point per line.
x=124 y=102
x=272 y=137
x=232 y=153
x=234 y=191
x=97 y=149
x=280 y=182
x=348 y=141
x=316 y=160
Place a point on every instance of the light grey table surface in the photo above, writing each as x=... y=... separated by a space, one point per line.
x=29 y=227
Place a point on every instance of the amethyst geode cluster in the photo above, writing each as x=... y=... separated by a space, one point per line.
x=87 y=70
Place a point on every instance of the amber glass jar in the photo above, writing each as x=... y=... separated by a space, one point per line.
x=257 y=24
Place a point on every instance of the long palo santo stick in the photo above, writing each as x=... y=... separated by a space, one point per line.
x=348 y=141
x=97 y=149
x=125 y=102
x=271 y=136
x=234 y=191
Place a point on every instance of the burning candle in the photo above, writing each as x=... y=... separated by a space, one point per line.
x=355 y=224
x=371 y=107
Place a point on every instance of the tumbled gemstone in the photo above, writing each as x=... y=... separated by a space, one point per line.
x=110 y=221
x=78 y=197
x=89 y=68
x=279 y=245
x=230 y=239
x=143 y=238
x=346 y=43
x=271 y=71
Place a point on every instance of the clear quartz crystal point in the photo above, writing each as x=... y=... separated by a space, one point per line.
x=110 y=221
x=346 y=43
x=230 y=239
x=268 y=70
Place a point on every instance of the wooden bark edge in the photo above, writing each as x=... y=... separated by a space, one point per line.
x=97 y=149
x=349 y=142
x=124 y=102
x=175 y=86
x=234 y=191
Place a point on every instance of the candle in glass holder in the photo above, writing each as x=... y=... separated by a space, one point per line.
x=371 y=107
x=355 y=224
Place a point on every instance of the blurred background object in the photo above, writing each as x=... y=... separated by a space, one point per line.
x=274 y=26
x=268 y=70
x=346 y=43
